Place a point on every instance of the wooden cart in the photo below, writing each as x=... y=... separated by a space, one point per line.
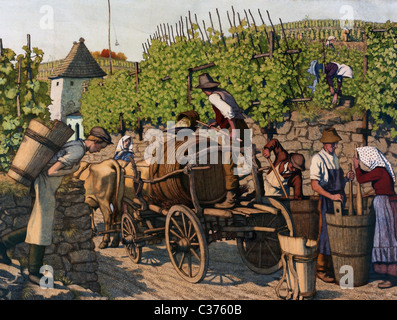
x=188 y=230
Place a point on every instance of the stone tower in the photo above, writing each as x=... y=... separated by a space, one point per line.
x=67 y=82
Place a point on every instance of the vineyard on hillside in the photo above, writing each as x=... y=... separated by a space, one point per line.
x=264 y=67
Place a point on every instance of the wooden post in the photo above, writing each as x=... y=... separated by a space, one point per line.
x=189 y=87
x=220 y=28
x=19 y=85
x=365 y=112
x=187 y=29
x=1 y=47
x=110 y=48
x=271 y=44
x=274 y=30
x=263 y=22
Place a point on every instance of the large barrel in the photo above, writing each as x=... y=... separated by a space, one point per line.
x=209 y=183
x=305 y=215
x=351 y=240
x=38 y=146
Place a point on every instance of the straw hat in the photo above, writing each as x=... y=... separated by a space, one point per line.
x=330 y=136
x=205 y=82
x=101 y=133
x=298 y=161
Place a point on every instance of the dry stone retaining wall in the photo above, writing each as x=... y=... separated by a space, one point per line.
x=72 y=254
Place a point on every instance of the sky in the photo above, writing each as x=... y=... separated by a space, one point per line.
x=55 y=24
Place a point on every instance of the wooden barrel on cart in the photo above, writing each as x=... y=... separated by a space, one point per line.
x=209 y=183
x=38 y=146
x=351 y=240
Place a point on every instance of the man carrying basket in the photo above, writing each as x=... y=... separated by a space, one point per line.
x=38 y=232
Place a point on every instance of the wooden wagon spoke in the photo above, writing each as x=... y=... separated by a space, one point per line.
x=271 y=251
x=190 y=229
x=193 y=235
x=184 y=223
x=195 y=254
x=260 y=255
x=175 y=234
x=190 y=265
x=270 y=239
x=252 y=247
x=181 y=261
x=177 y=225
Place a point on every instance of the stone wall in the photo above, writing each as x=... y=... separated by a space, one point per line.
x=296 y=134
x=72 y=254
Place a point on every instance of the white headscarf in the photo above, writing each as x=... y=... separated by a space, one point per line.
x=373 y=158
x=121 y=142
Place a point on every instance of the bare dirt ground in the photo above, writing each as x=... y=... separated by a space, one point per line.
x=227 y=278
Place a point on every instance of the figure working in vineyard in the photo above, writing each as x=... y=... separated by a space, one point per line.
x=124 y=149
x=328 y=180
x=381 y=175
x=289 y=168
x=338 y=71
x=38 y=232
x=330 y=42
x=229 y=116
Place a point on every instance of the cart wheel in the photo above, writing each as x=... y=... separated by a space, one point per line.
x=186 y=243
x=260 y=251
x=129 y=231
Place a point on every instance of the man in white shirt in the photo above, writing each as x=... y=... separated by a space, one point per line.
x=328 y=180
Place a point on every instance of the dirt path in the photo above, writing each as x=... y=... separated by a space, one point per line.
x=227 y=278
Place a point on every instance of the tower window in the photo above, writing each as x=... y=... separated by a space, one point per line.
x=71 y=83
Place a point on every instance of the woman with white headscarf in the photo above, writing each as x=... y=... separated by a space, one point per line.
x=382 y=177
x=124 y=149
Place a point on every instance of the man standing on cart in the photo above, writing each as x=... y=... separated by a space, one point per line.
x=229 y=116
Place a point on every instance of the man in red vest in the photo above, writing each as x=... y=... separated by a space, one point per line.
x=229 y=116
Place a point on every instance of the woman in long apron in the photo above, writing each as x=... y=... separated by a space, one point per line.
x=381 y=175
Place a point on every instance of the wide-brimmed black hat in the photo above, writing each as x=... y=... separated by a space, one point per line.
x=206 y=82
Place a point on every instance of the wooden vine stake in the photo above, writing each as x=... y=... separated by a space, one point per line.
x=19 y=85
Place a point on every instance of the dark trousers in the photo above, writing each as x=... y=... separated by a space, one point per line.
x=36 y=252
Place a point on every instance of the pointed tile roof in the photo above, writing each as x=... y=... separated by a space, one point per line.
x=79 y=63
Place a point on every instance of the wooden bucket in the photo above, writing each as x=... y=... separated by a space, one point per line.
x=38 y=146
x=300 y=264
x=305 y=215
x=209 y=183
x=351 y=240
